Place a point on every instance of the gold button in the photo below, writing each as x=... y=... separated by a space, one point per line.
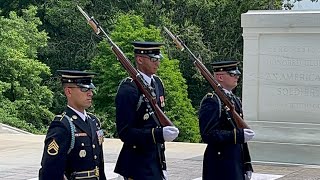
x=94 y=146
x=95 y=157
x=82 y=144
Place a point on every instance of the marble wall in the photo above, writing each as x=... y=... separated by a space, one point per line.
x=281 y=84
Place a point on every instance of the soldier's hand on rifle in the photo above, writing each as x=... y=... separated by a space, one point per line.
x=170 y=133
x=248 y=134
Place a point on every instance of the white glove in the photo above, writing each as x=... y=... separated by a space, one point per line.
x=165 y=174
x=248 y=175
x=248 y=134
x=170 y=133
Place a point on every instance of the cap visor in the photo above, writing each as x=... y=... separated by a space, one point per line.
x=90 y=86
x=159 y=56
x=237 y=72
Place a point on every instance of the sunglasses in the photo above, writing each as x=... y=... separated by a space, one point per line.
x=83 y=89
x=233 y=74
x=230 y=74
x=152 y=59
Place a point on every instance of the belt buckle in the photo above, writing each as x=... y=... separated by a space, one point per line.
x=96 y=171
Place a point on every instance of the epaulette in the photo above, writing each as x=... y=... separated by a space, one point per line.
x=209 y=95
x=127 y=79
x=59 y=117
x=159 y=79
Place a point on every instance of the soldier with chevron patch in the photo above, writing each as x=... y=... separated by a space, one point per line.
x=73 y=144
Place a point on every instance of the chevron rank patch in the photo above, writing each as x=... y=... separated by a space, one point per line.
x=53 y=148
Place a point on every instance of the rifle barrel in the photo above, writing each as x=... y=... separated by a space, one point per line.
x=214 y=84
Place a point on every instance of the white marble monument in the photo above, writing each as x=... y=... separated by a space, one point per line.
x=281 y=84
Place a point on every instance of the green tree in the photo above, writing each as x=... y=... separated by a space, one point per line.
x=72 y=45
x=210 y=28
x=128 y=28
x=22 y=94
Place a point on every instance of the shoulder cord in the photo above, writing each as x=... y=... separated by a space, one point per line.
x=73 y=129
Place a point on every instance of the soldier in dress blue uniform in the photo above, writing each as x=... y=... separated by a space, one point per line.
x=227 y=155
x=142 y=155
x=73 y=145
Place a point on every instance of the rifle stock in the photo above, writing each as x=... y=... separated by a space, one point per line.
x=146 y=89
x=240 y=123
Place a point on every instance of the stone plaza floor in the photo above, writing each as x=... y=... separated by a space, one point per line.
x=20 y=156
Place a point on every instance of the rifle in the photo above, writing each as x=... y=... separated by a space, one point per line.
x=143 y=86
x=240 y=123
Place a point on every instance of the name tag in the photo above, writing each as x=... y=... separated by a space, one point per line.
x=80 y=134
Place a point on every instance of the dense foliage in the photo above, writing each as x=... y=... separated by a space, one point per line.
x=24 y=100
x=128 y=28
x=35 y=42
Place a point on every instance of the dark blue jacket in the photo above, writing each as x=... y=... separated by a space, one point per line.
x=86 y=155
x=142 y=154
x=226 y=156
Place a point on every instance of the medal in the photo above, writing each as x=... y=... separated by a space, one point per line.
x=100 y=139
x=146 y=116
x=100 y=136
x=82 y=153
x=162 y=104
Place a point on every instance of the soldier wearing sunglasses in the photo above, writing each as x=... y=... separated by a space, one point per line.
x=227 y=155
x=73 y=144
x=142 y=155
